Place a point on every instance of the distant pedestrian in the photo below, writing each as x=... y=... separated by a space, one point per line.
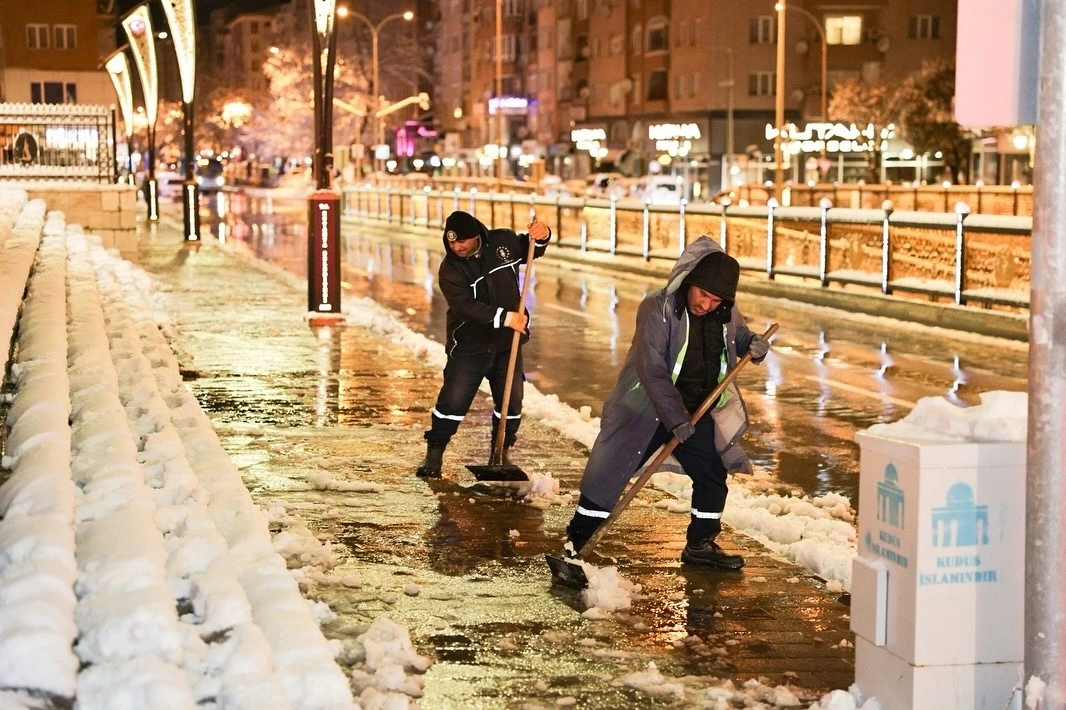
x=479 y=280
x=688 y=334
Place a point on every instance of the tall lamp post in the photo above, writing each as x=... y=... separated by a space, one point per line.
x=825 y=53
x=118 y=70
x=730 y=83
x=180 y=16
x=138 y=26
x=323 y=206
x=779 y=99
x=407 y=16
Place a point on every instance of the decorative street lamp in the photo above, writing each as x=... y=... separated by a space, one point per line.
x=181 y=18
x=118 y=69
x=138 y=26
x=825 y=60
x=375 y=90
x=323 y=222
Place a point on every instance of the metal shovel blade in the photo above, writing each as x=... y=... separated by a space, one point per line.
x=567 y=572
x=501 y=472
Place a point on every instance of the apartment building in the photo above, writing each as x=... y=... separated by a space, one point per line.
x=50 y=51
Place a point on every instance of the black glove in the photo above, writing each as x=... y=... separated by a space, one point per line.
x=683 y=431
x=758 y=347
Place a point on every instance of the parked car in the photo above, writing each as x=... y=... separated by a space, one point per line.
x=209 y=176
x=661 y=189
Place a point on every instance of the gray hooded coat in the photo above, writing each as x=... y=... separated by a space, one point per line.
x=645 y=394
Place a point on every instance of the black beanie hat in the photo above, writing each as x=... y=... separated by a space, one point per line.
x=716 y=273
x=463 y=225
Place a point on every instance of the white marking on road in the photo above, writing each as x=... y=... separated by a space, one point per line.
x=861 y=391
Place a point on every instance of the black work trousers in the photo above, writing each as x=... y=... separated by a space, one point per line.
x=701 y=461
x=462 y=377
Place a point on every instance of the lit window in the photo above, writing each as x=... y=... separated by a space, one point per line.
x=843 y=29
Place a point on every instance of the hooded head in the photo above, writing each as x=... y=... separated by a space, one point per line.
x=463 y=234
x=716 y=273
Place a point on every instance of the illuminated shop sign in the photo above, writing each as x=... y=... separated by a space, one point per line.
x=674 y=138
x=831 y=137
x=508 y=104
x=588 y=139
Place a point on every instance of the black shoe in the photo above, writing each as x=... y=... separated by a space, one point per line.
x=431 y=465
x=707 y=553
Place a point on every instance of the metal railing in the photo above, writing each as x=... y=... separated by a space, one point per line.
x=962 y=257
x=57 y=142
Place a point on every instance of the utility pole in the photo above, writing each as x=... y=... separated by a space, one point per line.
x=779 y=100
x=500 y=146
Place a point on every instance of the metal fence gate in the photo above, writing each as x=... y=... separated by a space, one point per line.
x=57 y=142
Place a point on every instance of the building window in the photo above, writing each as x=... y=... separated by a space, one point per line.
x=581 y=10
x=253 y=27
x=616 y=45
x=762 y=30
x=66 y=36
x=512 y=8
x=510 y=47
x=694 y=36
x=37 y=37
x=681 y=37
x=657 y=85
x=924 y=27
x=658 y=40
x=679 y=82
x=843 y=29
x=53 y=92
x=762 y=83
x=694 y=86
x=634 y=40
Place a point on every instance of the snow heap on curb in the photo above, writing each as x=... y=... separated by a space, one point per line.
x=1001 y=416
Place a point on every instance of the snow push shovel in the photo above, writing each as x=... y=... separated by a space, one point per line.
x=497 y=470
x=569 y=572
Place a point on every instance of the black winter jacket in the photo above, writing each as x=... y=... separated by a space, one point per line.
x=481 y=290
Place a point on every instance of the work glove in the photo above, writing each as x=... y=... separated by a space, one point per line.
x=683 y=431
x=539 y=231
x=516 y=321
x=758 y=347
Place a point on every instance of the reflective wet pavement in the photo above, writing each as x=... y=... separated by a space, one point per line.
x=828 y=376
x=461 y=564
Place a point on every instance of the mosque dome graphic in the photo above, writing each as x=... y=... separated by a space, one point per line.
x=960 y=522
x=890 y=498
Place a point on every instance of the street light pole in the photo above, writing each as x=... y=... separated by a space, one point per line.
x=180 y=16
x=825 y=53
x=499 y=90
x=138 y=26
x=407 y=16
x=779 y=100
x=730 y=83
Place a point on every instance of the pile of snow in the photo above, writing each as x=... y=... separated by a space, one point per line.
x=1001 y=416
x=607 y=590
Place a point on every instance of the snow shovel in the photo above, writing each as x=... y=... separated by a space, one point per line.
x=569 y=572
x=497 y=470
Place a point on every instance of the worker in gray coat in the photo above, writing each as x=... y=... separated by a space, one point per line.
x=688 y=334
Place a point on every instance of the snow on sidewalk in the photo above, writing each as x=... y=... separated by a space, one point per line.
x=181 y=599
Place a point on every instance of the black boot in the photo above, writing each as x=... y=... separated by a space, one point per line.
x=430 y=467
x=707 y=553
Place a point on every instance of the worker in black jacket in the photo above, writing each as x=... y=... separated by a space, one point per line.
x=479 y=280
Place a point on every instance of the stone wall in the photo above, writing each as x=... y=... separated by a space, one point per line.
x=108 y=211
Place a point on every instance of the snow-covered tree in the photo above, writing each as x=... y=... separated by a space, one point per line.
x=928 y=119
x=868 y=104
x=286 y=124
